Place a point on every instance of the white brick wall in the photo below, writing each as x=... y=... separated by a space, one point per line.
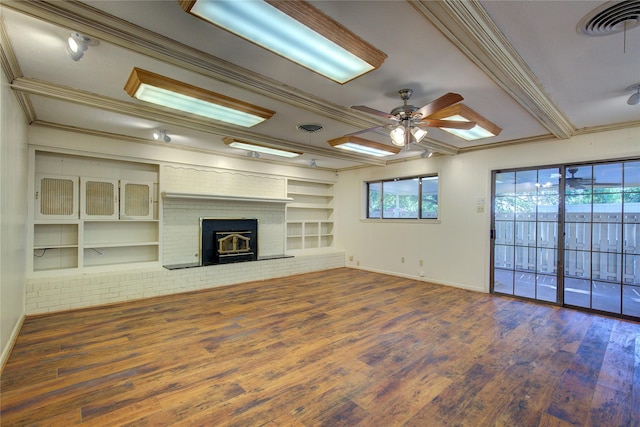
x=181 y=217
x=222 y=182
x=181 y=226
x=45 y=295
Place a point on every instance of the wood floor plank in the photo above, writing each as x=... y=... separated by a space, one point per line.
x=339 y=347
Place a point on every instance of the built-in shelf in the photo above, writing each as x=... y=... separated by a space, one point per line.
x=310 y=215
x=103 y=221
x=224 y=197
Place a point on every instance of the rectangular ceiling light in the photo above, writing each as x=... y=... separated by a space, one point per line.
x=363 y=146
x=150 y=87
x=483 y=128
x=295 y=30
x=258 y=148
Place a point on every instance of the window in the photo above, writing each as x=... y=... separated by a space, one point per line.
x=403 y=198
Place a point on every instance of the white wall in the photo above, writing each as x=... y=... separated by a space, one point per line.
x=455 y=250
x=13 y=209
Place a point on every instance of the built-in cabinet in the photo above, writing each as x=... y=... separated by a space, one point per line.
x=83 y=221
x=309 y=215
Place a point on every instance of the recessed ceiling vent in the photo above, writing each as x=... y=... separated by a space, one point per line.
x=310 y=128
x=611 y=18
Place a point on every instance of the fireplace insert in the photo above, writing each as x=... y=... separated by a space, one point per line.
x=225 y=240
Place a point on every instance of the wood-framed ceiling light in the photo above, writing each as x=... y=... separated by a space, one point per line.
x=363 y=146
x=294 y=30
x=160 y=90
x=484 y=128
x=259 y=148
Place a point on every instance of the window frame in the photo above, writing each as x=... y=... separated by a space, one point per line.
x=419 y=195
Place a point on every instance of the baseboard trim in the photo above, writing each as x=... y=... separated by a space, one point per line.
x=422 y=279
x=6 y=351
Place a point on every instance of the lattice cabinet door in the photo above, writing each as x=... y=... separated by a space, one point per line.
x=56 y=197
x=136 y=200
x=98 y=198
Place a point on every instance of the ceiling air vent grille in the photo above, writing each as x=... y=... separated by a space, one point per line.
x=611 y=18
x=310 y=127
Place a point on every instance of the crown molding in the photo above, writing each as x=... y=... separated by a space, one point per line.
x=609 y=127
x=468 y=26
x=11 y=68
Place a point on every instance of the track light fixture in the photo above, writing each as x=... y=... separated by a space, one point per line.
x=77 y=45
x=634 y=99
x=313 y=163
x=161 y=134
x=426 y=154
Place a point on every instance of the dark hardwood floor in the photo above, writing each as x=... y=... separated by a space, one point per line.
x=341 y=347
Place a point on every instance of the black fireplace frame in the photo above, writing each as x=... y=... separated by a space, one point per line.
x=208 y=244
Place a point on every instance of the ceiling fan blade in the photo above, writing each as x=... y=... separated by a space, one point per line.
x=373 y=129
x=451 y=124
x=366 y=109
x=440 y=103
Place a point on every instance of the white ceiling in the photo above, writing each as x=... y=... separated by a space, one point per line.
x=522 y=64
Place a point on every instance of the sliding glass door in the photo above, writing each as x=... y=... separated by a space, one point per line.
x=569 y=235
x=525 y=227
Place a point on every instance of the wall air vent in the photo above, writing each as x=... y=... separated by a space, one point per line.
x=610 y=18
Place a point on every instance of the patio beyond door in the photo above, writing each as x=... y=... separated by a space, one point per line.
x=569 y=235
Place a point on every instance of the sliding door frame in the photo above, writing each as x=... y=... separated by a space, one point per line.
x=561 y=225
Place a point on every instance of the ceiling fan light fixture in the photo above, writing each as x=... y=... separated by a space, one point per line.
x=418 y=134
x=484 y=128
x=160 y=90
x=398 y=136
x=259 y=148
x=294 y=30
x=363 y=146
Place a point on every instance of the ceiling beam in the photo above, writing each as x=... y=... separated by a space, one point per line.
x=467 y=25
x=103 y=26
x=168 y=116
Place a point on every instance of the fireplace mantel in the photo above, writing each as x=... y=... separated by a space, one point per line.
x=201 y=196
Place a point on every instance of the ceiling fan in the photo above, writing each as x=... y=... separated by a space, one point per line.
x=579 y=183
x=408 y=122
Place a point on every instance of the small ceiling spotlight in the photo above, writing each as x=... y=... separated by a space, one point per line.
x=253 y=154
x=77 y=45
x=634 y=99
x=426 y=154
x=161 y=134
x=313 y=163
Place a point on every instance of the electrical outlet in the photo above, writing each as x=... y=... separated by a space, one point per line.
x=402 y=260
x=422 y=274
x=351 y=258
x=358 y=263
x=421 y=263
